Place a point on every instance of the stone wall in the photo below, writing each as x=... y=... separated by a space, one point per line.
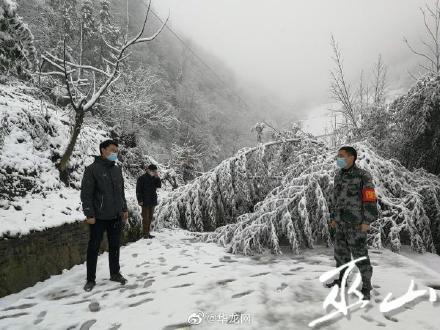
x=27 y=259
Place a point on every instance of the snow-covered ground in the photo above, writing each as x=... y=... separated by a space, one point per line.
x=171 y=277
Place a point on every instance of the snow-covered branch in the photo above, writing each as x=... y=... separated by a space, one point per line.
x=249 y=216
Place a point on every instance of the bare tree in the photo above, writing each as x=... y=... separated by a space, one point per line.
x=341 y=92
x=431 y=53
x=96 y=81
x=134 y=99
x=355 y=106
x=379 y=82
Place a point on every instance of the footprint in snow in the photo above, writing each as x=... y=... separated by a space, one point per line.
x=224 y=282
x=145 y=264
x=367 y=318
x=259 y=274
x=287 y=273
x=313 y=262
x=40 y=317
x=78 y=302
x=140 y=302
x=239 y=295
x=13 y=316
x=187 y=273
x=391 y=318
x=124 y=288
x=57 y=295
x=23 y=306
x=182 y=285
x=216 y=266
x=148 y=283
x=138 y=294
x=177 y=326
x=282 y=286
x=86 y=325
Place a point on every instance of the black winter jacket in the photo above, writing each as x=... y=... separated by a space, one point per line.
x=146 y=189
x=102 y=190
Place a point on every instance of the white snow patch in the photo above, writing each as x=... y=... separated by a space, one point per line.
x=170 y=277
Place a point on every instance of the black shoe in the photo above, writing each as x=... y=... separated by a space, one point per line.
x=118 y=278
x=89 y=285
x=335 y=282
x=150 y=236
x=366 y=293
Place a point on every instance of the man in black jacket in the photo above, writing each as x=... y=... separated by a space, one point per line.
x=105 y=208
x=147 y=197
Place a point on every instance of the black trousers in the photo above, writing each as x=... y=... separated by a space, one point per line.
x=113 y=228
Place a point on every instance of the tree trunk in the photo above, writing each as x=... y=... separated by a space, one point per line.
x=62 y=166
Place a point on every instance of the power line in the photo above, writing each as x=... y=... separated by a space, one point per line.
x=201 y=60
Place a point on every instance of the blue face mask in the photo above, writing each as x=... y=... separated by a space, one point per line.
x=113 y=157
x=341 y=162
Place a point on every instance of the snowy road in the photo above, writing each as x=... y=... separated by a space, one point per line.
x=171 y=277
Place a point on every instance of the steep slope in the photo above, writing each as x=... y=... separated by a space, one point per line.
x=32 y=136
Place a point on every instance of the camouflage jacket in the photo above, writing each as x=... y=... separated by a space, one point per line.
x=353 y=198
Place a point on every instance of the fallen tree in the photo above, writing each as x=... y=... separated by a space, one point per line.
x=219 y=196
x=296 y=209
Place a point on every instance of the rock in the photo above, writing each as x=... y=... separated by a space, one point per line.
x=94 y=306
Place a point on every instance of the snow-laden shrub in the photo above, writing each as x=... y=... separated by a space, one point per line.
x=416 y=132
x=232 y=188
x=298 y=209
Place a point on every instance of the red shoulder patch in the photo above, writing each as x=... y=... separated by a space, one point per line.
x=368 y=195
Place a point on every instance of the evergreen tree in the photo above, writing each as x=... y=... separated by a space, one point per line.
x=17 y=51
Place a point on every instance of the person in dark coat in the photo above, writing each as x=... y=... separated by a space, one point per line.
x=147 y=196
x=105 y=207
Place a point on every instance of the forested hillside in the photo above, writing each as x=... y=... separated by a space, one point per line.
x=168 y=102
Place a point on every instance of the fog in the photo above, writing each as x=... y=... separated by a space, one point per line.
x=284 y=45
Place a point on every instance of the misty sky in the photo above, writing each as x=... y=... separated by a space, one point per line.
x=284 y=45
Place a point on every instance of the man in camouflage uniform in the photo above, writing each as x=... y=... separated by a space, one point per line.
x=353 y=208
